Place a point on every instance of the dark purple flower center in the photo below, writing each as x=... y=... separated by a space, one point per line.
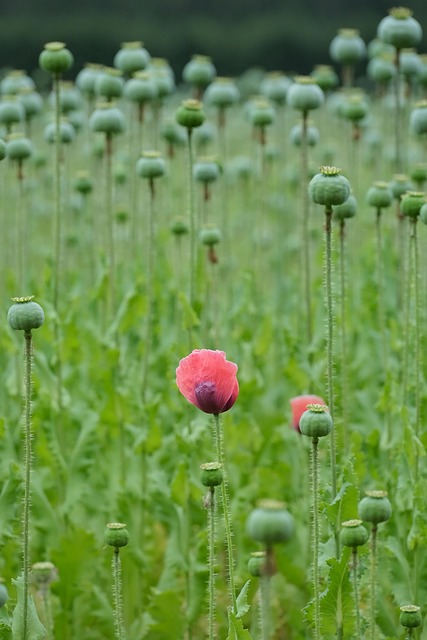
x=207 y=397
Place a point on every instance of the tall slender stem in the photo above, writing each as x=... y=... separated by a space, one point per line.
x=150 y=276
x=58 y=194
x=380 y=288
x=397 y=121
x=193 y=230
x=211 y=562
x=329 y=340
x=356 y=593
x=27 y=480
x=373 y=578
x=219 y=441
x=110 y=223
x=315 y=496
x=306 y=227
x=344 y=369
x=117 y=595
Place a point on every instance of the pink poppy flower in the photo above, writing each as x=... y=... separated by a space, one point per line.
x=299 y=405
x=208 y=380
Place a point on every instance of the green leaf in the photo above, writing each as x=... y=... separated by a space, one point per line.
x=164 y=615
x=190 y=319
x=236 y=630
x=242 y=600
x=35 y=630
x=336 y=604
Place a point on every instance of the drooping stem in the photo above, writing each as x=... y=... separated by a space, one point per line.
x=211 y=562
x=219 y=442
x=27 y=480
x=315 y=534
x=329 y=340
x=373 y=578
x=356 y=593
x=117 y=595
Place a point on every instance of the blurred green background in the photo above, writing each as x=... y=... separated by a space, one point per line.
x=238 y=34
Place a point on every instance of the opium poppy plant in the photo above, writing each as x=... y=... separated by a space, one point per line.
x=208 y=380
x=299 y=405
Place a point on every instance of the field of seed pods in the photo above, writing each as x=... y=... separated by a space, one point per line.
x=212 y=355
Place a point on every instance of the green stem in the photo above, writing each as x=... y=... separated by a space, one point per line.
x=380 y=288
x=193 y=230
x=397 y=122
x=373 y=578
x=315 y=496
x=344 y=368
x=27 y=480
x=117 y=595
x=58 y=195
x=150 y=276
x=356 y=593
x=47 y=610
x=219 y=441
x=110 y=224
x=265 y=606
x=416 y=277
x=306 y=228
x=211 y=562
x=329 y=341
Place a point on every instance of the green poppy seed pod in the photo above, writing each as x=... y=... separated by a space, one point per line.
x=25 y=315
x=77 y=119
x=190 y=114
x=70 y=98
x=15 y=81
x=211 y=474
x=418 y=118
x=347 y=47
x=347 y=209
x=140 y=89
x=411 y=203
x=109 y=83
x=55 y=58
x=400 y=29
x=43 y=574
x=11 y=111
x=150 y=165
x=329 y=187
x=304 y=94
x=163 y=77
x=354 y=108
x=107 y=119
x=324 y=75
x=172 y=133
x=4 y=596
x=179 y=227
x=116 y=535
x=312 y=135
x=399 y=185
x=31 y=101
x=270 y=523
x=261 y=113
x=410 y=616
x=353 y=534
x=275 y=86
x=131 y=57
x=67 y=133
x=222 y=93
x=2 y=149
x=419 y=173
x=423 y=213
x=86 y=79
x=381 y=69
x=375 y=507
x=256 y=564
x=206 y=170
x=316 y=421
x=18 y=147
x=379 y=195
x=83 y=183
x=210 y=236
x=410 y=63
x=199 y=71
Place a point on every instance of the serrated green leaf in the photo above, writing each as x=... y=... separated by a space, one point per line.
x=336 y=603
x=242 y=600
x=35 y=629
x=236 y=631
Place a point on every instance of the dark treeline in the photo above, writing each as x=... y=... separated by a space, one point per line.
x=237 y=34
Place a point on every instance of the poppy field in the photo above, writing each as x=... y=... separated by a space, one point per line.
x=213 y=408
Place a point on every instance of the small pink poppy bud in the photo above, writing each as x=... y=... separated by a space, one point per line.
x=299 y=405
x=207 y=380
